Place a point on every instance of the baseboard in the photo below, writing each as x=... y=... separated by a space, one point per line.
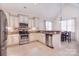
x=41 y=42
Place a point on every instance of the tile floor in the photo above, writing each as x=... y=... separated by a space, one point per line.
x=38 y=49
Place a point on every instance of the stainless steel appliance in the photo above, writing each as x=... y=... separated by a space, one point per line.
x=49 y=39
x=23 y=32
x=3 y=34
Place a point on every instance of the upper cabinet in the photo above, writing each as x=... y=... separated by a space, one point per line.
x=16 y=22
x=34 y=23
x=13 y=21
x=30 y=22
x=23 y=19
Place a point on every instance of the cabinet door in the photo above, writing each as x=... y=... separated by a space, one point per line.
x=37 y=36
x=15 y=39
x=41 y=25
x=56 y=40
x=41 y=38
x=32 y=37
x=21 y=19
x=12 y=21
x=16 y=22
x=31 y=23
x=25 y=19
x=9 y=40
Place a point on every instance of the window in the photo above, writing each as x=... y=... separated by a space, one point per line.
x=68 y=25
x=48 y=25
x=63 y=25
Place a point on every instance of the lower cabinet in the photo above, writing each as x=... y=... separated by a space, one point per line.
x=13 y=39
x=56 y=40
x=37 y=36
x=33 y=37
x=41 y=38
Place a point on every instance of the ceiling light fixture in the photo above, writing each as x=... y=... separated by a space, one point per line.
x=25 y=7
x=35 y=3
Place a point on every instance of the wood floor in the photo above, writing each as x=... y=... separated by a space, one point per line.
x=38 y=49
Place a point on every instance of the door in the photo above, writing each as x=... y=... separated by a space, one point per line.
x=3 y=34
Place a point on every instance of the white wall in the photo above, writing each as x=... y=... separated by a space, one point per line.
x=77 y=29
x=41 y=24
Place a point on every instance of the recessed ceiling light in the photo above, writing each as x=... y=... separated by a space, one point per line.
x=25 y=7
x=35 y=3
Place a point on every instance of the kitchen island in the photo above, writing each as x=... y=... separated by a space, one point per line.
x=49 y=38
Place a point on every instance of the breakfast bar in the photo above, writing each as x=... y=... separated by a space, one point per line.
x=51 y=39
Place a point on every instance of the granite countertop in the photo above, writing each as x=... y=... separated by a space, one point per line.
x=45 y=32
x=36 y=31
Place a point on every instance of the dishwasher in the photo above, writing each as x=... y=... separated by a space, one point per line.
x=49 y=39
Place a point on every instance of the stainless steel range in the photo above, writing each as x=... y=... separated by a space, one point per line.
x=23 y=32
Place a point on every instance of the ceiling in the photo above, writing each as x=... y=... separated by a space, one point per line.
x=39 y=9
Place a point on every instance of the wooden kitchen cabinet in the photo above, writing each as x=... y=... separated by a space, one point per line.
x=23 y=19
x=56 y=40
x=33 y=37
x=16 y=22
x=13 y=39
x=9 y=40
x=37 y=36
x=41 y=38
